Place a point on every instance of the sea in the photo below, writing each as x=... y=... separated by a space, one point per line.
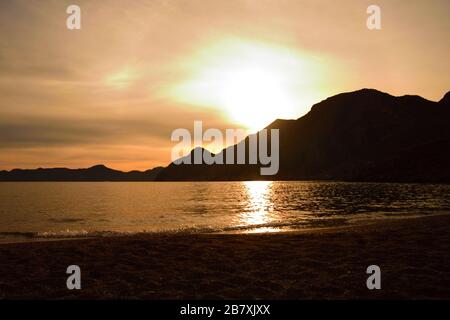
x=31 y=211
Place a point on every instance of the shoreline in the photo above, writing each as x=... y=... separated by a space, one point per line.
x=325 y=263
x=33 y=237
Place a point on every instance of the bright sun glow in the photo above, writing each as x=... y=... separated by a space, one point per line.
x=255 y=96
x=251 y=82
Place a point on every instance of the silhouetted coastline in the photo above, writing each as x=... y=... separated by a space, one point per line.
x=366 y=135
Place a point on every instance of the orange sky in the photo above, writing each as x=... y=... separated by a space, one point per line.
x=113 y=92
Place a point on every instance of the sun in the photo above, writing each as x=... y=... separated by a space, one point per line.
x=254 y=96
x=251 y=83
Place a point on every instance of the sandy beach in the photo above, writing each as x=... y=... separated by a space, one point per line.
x=413 y=255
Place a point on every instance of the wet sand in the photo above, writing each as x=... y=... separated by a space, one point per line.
x=413 y=254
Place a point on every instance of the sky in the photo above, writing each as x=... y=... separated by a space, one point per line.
x=113 y=92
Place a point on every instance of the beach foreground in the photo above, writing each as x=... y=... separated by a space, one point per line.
x=413 y=254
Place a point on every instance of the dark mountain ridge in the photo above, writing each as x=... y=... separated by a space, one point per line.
x=95 y=173
x=366 y=135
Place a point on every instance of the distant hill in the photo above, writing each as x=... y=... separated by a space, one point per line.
x=95 y=173
x=366 y=135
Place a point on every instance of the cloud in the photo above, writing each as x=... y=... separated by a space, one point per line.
x=41 y=131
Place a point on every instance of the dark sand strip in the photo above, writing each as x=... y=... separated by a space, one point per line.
x=414 y=255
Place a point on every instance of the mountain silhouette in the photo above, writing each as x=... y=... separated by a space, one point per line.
x=95 y=173
x=366 y=135
x=446 y=99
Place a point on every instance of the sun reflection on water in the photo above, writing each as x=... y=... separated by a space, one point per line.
x=258 y=206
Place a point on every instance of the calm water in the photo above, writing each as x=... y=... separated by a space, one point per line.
x=30 y=210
